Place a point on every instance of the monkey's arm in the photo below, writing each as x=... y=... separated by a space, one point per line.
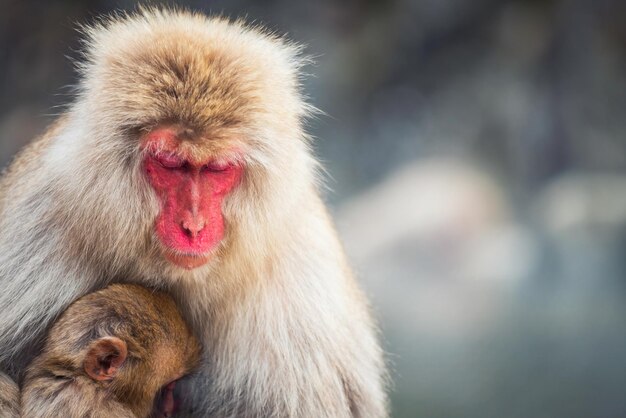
x=36 y=280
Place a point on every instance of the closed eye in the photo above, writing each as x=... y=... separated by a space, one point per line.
x=217 y=166
x=171 y=161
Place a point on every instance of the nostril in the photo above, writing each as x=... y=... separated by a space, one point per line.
x=187 y=232
x=192 y=227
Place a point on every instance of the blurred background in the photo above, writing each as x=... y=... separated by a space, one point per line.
x=476 y=152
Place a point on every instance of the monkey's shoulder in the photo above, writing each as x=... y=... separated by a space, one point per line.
x=29 y=157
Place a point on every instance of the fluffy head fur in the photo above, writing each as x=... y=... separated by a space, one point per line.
x=286 y=329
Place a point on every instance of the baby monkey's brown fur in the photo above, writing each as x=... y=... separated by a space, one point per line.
x=108 y=355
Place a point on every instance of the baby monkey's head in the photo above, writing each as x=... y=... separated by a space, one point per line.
x=118 y=350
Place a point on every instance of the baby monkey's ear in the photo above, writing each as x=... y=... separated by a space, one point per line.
x=104 y=358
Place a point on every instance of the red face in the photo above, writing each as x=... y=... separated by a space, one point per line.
x=191 y=192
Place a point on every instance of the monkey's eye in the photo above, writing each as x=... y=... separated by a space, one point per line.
x=217 y=166
x=170 y=160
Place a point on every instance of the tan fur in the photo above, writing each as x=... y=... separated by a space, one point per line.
x=286 y=330
x=9 y=397
x=160 y=349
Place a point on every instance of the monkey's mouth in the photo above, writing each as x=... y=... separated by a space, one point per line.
x=187 y=261
x=165 y=404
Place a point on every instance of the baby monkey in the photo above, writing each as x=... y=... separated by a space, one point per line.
x=114 y=353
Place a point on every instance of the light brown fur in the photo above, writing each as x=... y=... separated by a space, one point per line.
x=9 y=397
x=161 y=348
x=286 y=330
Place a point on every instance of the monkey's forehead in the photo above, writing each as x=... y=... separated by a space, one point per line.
x=199 y=71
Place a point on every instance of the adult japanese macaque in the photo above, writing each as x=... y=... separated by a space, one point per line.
x=183 y=165
x=109 y=355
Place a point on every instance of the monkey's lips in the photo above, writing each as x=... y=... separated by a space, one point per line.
x=187 y=261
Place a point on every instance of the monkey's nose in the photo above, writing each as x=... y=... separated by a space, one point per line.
x=193 y=226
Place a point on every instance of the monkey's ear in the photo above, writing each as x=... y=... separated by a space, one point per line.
x=104 y=358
